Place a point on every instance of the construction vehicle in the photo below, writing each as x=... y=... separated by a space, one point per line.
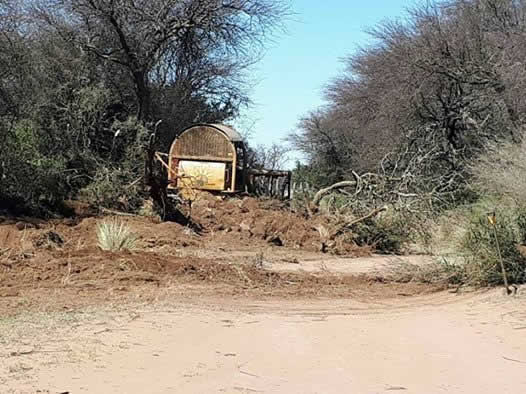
x=213 y=158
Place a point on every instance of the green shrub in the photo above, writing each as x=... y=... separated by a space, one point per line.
x=480 y=244
x=113 y=188
x=113 y=235
x=118 y=184
x=521 y=224
x=30 y=180
x=391 y=232
x=301 y=201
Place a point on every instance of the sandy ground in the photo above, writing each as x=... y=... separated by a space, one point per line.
x=437 y=343
x=347 y=265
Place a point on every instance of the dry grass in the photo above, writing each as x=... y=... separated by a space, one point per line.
x=467 y=245
x=113 y=235
x=441 y=272
x=500 y=176
x=446 y=232
x=501 y=171
x=464 y=235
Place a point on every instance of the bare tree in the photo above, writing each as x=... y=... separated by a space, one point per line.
x=426 y=98
x=11 y=55
x=273 y=157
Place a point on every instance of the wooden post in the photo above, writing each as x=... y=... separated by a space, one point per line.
x=289 y=181
x=234 y=172
x=244 y=176
x=492 y=219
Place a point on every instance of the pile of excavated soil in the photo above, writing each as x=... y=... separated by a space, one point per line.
x=243 y=222
x=270 y=221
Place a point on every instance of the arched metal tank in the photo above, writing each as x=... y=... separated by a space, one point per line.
x=208 y=157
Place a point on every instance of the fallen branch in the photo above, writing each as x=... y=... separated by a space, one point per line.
x=3 y=251
x=248 y=373
x=347 y=226
x=514 y=360
x=134 y=182
x=117 y=213
x=323 y=192
x=28 y=352
x=171 y=171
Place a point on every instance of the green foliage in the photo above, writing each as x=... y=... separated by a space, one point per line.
x=30 y=180
x=119 y=183
x=464 y=232
x=113 y=235
x=65 y=125
x=521 y=224
x=480 y=248
x=388 y=234
x=73 y=148
x=498 y=177
x=110 y=189
x=317 y=176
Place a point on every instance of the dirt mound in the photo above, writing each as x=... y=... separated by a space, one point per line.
x=9 y=237
x=91 y=276
x=12 y=238
x=61 y=268
x=235 y=221
x=270 y=221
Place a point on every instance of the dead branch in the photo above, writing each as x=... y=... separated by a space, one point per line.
x=323 y=192
x=347 y=226
x=117 y=213
x=171 y=171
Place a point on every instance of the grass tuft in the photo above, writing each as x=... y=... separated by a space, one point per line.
x=114 y=235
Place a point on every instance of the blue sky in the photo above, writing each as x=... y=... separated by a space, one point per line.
x=299 y=63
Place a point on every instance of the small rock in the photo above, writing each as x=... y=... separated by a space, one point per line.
x=244 y=226
x=24 y=226
x=10 y=293
x=71 y=222
x=276 y=241
x=49 y=239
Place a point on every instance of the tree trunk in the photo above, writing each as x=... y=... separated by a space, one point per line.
x=143 y=96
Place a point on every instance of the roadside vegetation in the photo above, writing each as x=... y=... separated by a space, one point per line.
x=429 y=121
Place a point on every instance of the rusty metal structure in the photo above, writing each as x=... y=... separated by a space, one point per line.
x=213 y=157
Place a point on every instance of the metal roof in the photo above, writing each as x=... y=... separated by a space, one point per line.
x=232 y=134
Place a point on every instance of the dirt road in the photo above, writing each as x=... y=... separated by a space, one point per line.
x=430 y=344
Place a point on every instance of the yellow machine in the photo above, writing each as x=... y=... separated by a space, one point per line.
x=213 y=157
